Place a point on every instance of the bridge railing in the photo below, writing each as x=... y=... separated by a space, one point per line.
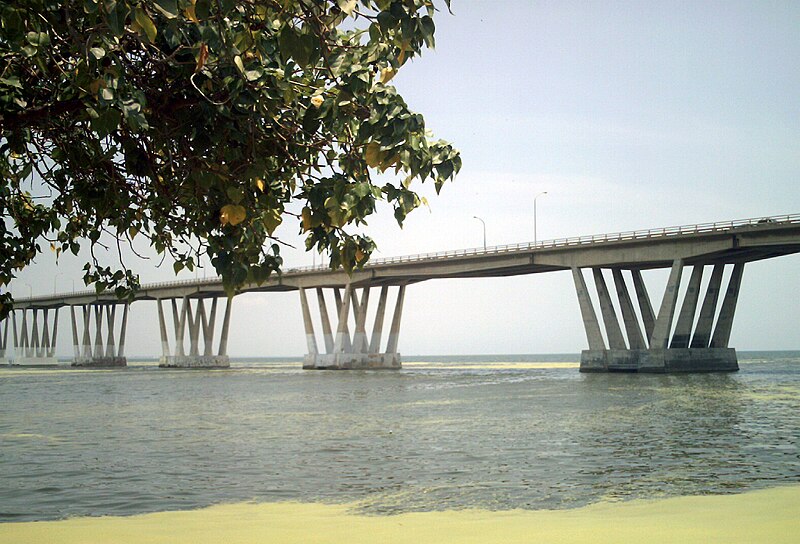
x=720 y=226
x=580 y=240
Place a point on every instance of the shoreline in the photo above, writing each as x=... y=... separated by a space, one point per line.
x=768 y=515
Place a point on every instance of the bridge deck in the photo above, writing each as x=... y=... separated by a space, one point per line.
x=709 y=243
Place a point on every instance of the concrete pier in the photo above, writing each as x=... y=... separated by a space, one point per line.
x=35 y=344
x=5 y=325
x=664 y=350
x=102 y=352
x=193 y=320
x=98 y=353
x=362 y=349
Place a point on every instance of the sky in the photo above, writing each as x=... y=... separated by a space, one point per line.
x=630 y=115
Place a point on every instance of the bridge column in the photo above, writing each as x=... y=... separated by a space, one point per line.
x=683 y=329
x=193 y=319
x=722 y=332
x=362 y=350
x=32 y=347
x=632 y=329
x=108 y=348
x=701 y=354
x=662 y=350
x=4 y=355
x=702 y=331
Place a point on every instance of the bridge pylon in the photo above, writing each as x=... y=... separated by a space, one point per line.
x=659 y=342
x=96 y=340
x=194 y=320
x=34 y=341
x=359 y=350
x=5 y=325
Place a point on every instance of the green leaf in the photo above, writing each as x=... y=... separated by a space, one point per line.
x=11 y=81
x=202 y=9
x=106 y=122
x=38 y=39
x=427 y=28
x=347 y=6
x=146 y=23
x=169 y=8
x=116 y=16
x=300 y=47
x=232 y=214
x=271 y=220
x=237 y=60
x=235 y=194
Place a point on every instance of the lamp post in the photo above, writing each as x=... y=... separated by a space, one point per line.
x=55 y=277
x=534 y=215
x=484 y=230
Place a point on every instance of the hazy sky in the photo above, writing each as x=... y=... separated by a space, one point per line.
x=631 y=115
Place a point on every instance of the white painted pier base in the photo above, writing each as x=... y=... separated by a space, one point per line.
x=346 y=352
x=194 y=361
x=691 y=347
x=195 y=321
x=351 y=361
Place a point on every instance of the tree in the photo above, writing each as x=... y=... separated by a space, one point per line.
x=201 y=125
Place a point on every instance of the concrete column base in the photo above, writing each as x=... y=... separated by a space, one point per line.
x=660 y=360
x=34 y=361
x=195 y=361
x=352 y=361
x=100 y=362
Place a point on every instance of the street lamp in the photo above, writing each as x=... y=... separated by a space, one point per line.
x=484 y=230
x=55 y=277
x=534 y=215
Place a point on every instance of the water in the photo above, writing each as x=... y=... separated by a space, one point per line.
x=444 y=433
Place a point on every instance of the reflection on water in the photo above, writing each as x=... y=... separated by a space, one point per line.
x=495 y=435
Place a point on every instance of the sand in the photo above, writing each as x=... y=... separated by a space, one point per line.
x=771 y=515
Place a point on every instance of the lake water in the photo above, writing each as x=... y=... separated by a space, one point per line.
x=444 y=433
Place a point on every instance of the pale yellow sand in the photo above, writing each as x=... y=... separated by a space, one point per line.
x=771 y=516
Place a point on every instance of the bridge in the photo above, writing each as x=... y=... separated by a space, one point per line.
x=630 y=337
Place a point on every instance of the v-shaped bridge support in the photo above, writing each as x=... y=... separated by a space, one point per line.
x=361 y=349
x=660 y=342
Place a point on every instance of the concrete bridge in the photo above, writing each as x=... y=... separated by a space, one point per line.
x=632 y=336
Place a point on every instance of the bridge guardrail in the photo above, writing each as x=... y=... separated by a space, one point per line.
x=721 y=226
x=581 y=240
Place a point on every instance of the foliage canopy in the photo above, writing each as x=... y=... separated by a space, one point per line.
x=201 y=125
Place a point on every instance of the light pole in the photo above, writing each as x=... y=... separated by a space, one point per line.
x=30 y=289
x=55 y=277
x=484 y=230
x=534 y=215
